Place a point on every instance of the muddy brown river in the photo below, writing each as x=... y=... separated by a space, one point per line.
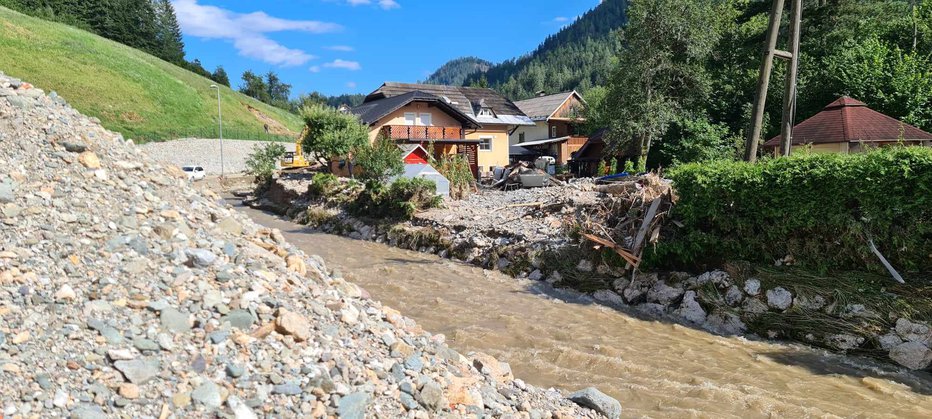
x=559 y=339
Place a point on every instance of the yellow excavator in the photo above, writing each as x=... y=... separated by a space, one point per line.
x=296 y=160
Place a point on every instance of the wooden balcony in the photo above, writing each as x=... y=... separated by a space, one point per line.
x=406 y=132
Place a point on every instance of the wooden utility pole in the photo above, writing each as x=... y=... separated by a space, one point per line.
x=789 y=95
x=766 y=67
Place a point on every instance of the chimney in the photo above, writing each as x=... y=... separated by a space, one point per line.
x=542 y=93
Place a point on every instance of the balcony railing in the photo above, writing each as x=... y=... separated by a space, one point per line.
x=406 y=132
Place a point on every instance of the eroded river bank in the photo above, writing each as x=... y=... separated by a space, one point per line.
x=656 y=369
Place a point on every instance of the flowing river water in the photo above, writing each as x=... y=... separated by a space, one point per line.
x=559 y=339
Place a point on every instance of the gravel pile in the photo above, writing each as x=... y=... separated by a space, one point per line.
x=125 y=292
x=534 y=215
x=206 y=153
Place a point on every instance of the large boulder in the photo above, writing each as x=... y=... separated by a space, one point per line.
x=596 y=400
x=912 y=355
x=661 y=293
x=690 y=310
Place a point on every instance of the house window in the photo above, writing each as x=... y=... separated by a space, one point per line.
x=410 y=118
x=485 y=144
x=486 y=112
x=425 y=120
x=553 y=131
x=521 y=137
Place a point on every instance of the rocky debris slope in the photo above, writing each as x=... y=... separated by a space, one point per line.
x=125 y=292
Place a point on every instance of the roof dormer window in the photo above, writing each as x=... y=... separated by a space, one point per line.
x=486 y=112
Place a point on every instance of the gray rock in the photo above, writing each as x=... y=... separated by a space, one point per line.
x=146 y=345
x=690 y=310
x=844 y=342
x=779 y=298
x=661 y=293
x=720 y=279
x=219 y=336
x=21 y=102
x=913 y=331
x=734 y=296
x=138 y=371
x=240 y=319
x=815 y=302
x=752 y=287
x=724 y=323
x=889 y=341
x=207 y=394
x=74 y=147
x=754 y=306
x=912 y=355
x=431 y=396
x=353 y=406
x=235 y=371
x=88 y=412
x=6 y=192
x=201 y=258
x=536 y=275
x=175 y=321
x=596 y=400
x=290 y=389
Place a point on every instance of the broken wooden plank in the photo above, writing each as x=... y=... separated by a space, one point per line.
x=886 y=264
x=627 y=256
x=645 y=225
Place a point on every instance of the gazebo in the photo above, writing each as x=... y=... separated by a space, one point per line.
x=847 y=125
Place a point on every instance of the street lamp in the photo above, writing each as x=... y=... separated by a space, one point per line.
x=220 y=115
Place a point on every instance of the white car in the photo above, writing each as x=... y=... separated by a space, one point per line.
x=194 y=172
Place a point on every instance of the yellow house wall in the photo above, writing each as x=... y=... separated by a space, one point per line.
x=438 y=118
x=498 y=156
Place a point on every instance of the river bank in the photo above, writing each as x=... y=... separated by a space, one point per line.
x=125 y=291
x=656 y=368
x=854 y=313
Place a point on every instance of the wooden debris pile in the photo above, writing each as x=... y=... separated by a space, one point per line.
x=629 y=217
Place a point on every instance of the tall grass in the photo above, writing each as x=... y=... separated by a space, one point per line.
x=131 y=92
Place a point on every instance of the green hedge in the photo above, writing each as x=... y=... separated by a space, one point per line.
x=818 y=208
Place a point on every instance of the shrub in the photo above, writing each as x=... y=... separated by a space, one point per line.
x=380 y=160
x=323 y=185
x=400 y=200
x=330 y=134
x=456 y=169
x=263 y=161
x=821 y=209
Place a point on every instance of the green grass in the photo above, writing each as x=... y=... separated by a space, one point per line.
x=131 y=92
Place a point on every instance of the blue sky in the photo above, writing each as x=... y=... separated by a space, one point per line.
x=352 y=46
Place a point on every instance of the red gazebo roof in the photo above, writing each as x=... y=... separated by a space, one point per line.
x=850 y=120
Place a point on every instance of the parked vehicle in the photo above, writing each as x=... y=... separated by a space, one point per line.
x=194 y=172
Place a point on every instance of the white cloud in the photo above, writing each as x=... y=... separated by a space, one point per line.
x=341 y=48
x=561 y=19
x=384 y=4
x=343 y=64
x=351 y=84
x=247 y=31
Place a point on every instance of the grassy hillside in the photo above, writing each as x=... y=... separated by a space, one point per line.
x=131 y=92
